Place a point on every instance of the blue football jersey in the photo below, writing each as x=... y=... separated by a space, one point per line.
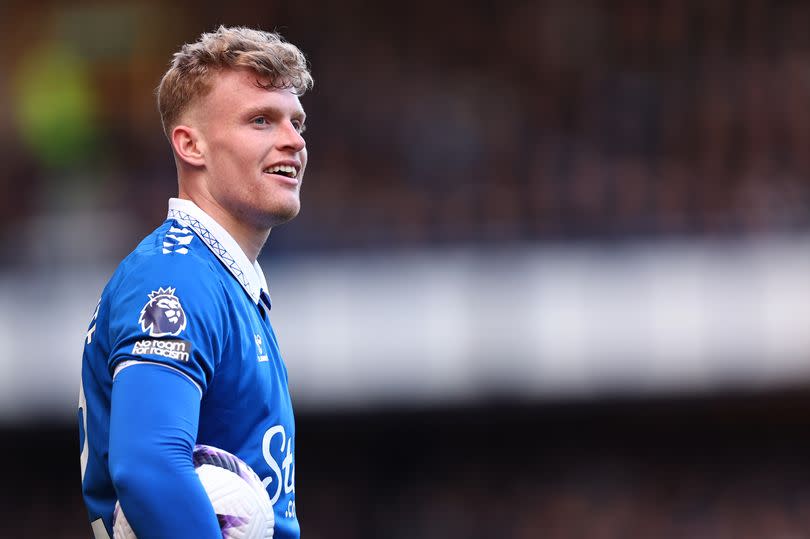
x=189 y=299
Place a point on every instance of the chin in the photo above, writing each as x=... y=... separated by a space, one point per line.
x=282 y=213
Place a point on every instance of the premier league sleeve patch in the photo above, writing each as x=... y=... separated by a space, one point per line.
x=163 y=315
x=168 y=310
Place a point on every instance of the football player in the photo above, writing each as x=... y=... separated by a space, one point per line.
x=180 y=349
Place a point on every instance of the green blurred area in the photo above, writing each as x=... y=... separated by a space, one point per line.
x=56 y=106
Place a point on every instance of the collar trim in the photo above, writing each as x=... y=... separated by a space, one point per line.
x=221 y=243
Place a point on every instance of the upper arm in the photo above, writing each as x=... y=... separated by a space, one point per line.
x=172 y=311
x=154 y=415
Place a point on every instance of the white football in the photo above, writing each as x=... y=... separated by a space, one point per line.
x=240 y=500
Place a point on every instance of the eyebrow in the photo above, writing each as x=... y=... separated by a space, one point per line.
x=273 y=112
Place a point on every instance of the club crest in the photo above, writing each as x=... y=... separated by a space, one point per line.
x=163 y=315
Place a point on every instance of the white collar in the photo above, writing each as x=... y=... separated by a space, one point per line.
x=221 y=243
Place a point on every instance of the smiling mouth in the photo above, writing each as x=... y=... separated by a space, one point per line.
x=287 y=171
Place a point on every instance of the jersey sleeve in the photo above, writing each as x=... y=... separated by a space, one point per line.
x=150 y=459
x=169 y=310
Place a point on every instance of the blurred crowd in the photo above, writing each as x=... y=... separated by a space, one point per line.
x=732 y=468
x=559 y=120
x=437 y=122
x=694 y=506
x=647 y=471
x=595 y=498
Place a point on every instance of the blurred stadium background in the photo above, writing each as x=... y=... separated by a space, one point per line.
x=550 y=278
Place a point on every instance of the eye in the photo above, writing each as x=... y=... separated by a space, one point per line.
x=259 y=120
x=299 y=126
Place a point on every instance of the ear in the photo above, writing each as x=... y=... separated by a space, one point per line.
x=188 y=145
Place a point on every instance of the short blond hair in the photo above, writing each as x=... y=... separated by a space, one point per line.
x=266 y=53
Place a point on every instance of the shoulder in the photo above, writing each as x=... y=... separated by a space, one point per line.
x=170 y=250
x=171 y=257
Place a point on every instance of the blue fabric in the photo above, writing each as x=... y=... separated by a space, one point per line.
x=153 y=426
x=186 y=309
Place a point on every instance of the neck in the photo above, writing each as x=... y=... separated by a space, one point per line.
x=250 y=239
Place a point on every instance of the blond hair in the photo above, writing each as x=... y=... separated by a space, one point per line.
x=266 y=53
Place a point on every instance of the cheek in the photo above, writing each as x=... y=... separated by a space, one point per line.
x=304 y=159
x=234 y=171
x=234 y=152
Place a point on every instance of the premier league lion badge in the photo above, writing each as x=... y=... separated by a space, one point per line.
x=163 y=315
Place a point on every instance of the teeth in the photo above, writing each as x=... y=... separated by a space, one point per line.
x=287 y=170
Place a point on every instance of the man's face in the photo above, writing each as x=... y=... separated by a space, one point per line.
x=254 y=153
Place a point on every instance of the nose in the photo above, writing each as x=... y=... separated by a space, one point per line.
x=291 y=138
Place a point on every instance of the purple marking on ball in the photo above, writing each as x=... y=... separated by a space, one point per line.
x=227 y=522
x=204 y=454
